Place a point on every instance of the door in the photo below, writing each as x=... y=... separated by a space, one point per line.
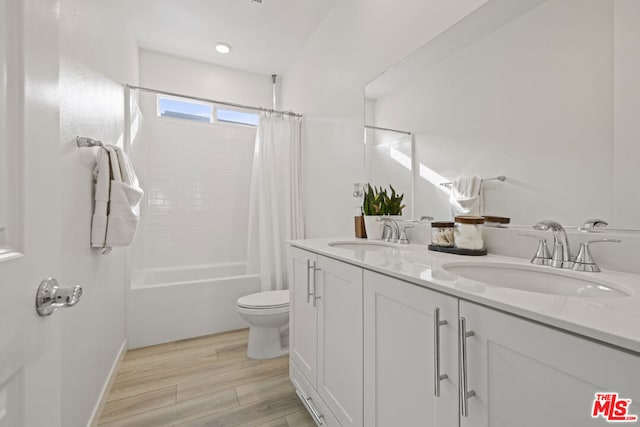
x=339 y=296
x=303 y=314
x=530 y=375
x=399 y=354
x=29 y=205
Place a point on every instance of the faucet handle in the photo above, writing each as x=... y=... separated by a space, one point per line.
x=542 y=256
x=404 y=240
x=423 y=218
x=591 y=224
x=584 y=261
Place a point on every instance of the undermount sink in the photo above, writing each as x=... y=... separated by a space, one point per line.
x=362 y=245
x=544 y=280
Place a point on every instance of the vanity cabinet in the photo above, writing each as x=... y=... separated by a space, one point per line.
x=303 y=315
x=401 y=346
x=365 y=346
x=326 y=337
x=531 y=375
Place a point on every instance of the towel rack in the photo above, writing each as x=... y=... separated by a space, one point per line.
x=498 y=178
x=83 y=141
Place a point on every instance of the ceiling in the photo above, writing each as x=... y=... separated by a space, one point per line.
x=265 y=38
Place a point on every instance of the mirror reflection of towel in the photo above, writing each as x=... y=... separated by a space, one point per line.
x=466 y=196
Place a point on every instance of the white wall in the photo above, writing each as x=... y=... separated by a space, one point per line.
x=195 y=188
x=531 y=101
x=97 y=54
x=197 y=178
x=357 y=40
x=188 y=77
x=195 y=210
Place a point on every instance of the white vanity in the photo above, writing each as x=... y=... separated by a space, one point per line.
x=392 y=335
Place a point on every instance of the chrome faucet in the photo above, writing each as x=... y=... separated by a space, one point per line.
x=591 y=225
x=560 y=257
x=584 y=261
x=394 y=233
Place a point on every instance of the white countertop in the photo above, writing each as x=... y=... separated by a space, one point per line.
x=614 y=321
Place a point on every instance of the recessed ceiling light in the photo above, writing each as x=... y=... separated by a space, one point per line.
x=223 y=48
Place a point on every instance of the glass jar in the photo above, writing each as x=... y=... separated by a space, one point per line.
x=442 y=234
x=468 y=232
x=496 y=221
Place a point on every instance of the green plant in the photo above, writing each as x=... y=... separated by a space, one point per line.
x=378 y=202
x=393 y=204
x=372 y=204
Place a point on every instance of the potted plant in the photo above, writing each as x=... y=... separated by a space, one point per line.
x=378 y=202
x=393 y=204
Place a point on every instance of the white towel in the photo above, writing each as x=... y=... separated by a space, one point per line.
x=118 y=196
x=102 y=178
x=466 y=196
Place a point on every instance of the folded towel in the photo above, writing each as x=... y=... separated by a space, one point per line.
x=118 y=196
x=466 y=196
x=102 y=178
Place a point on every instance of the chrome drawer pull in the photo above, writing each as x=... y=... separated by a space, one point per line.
x=307 y=403
x=309 y=268
x=462 y=366
x=437 y=377
x=316 y=270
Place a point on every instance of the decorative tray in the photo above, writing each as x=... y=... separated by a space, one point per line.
x=458 y=251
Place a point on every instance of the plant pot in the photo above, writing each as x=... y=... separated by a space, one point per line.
x=373 y=227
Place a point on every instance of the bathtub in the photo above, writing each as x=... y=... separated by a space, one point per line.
x=174 y=303
x=185 y=275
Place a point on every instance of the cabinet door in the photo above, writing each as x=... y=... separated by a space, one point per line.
x=399 y=355
x=530 y=375
x=340 y=340
x=302 y=314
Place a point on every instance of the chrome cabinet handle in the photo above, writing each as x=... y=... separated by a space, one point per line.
x=437 y=377
x=462 y=366
x=316 y=270
x=307 y=403
x=50 y=297
x=309 y=269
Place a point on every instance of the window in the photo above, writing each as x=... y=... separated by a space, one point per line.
x=184 y=109
x=187 y=109
x=234 y=116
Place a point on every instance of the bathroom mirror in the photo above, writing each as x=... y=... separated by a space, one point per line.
x=545 y=93
x=388 y=156
x=3 y=128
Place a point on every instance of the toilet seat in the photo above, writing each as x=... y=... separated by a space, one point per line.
x=265 y=300
x=269 y=311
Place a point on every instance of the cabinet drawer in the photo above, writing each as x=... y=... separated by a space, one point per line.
x=310 y=398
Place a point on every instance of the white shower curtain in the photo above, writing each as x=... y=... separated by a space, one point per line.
x=275 y=207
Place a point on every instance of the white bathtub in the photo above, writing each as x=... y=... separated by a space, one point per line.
x=169 y=304
x=173 y=276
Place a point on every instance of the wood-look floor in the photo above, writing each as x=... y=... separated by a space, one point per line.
x=205 y=381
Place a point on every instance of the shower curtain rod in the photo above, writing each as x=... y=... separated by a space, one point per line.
x=387 y=129
x=213 y=101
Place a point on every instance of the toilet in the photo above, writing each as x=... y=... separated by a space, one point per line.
x=267 y=314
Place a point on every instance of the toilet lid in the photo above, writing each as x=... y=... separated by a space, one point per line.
x=269 y=299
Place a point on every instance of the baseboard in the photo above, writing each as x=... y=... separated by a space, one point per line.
x=97 y=410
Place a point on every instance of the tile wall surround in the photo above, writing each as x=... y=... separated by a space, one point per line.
x=197 y=179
